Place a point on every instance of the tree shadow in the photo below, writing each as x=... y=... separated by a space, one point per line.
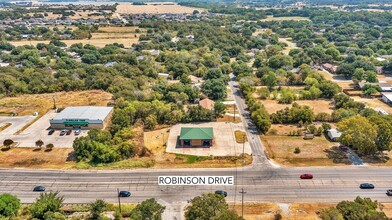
x=337 y=155
x=5 y=149
x=48 y=150
x=379 y=157
x=71 y=156
x=37 y=149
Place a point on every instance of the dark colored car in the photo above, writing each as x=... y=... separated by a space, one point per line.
x=306 y=176
x=63 y=132
x=51 y=131
x=366 y=186
x=39 y=189
x=389 y=192
x=221 y=192
x=124 y=194
x=69 y=132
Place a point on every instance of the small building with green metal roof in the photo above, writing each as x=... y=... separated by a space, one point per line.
x=196 y=137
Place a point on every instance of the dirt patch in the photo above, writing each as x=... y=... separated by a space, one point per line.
x=42 y=103
x=313 y=152
x=257 y=211
x=58 y=158
x=307 y=211
x=115 y=29
x=318 y=106
x=229 y=118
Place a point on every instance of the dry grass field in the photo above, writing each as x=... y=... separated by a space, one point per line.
x=42 y=103
x=281 y=149
x=257 y=211
x=58 y=158
x=98 y=42
x=318 y=106
x=114 y=29
x=374 y=103
x=128 y=8
x=294 y=18
x=307 y=211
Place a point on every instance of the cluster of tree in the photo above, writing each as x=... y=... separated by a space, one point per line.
x=295 y=114
x=48 y=206
x=210 y=206
x=99 y=146
x=258 y=113
x=360 y=208
x=367 y=135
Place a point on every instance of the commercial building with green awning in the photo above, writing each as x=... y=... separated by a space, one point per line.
x=196 y=137
x=82 y=117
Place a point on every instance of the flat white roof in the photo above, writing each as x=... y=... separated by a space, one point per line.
x=84 y=112
x=388 y=95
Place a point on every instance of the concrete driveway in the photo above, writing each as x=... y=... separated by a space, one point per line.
x=224 y=140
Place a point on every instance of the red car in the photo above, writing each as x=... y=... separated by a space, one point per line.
x=306 y=176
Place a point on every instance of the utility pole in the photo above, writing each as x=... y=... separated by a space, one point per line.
x=54 y=102
x=119 y=200
x=242 y=192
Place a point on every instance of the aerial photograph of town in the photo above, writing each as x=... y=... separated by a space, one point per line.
x=196 y=109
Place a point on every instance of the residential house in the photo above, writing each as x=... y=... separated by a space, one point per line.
x=387 y=97
x=207 y=104
x=334 y=134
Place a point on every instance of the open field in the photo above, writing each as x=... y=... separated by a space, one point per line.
x=42 y=103
x=374 y=103
x=281 y=149
x=115 y=29
x=294 y=18
x=257 y=211
x=58 y=158
x=128 y=8
x=318 y=106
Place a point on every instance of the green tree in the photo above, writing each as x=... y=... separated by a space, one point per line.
x=49 y=146
x=9 y=205
x=206 y=206
x=39 y=143
x=281 y=61
x=219 y=109
x=369 y=89
x=149 y=209
x=214 y=89
x=47 y=202
x=151 y=121
x=7 y=143
x=331 y=214
x=227 y=215
x=261 y=119
x=54 y=216
x=360 y=209
x=96 y=208
x=358 y=133
x=270 y=80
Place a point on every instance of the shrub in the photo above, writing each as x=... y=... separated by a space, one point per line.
x=297 y=150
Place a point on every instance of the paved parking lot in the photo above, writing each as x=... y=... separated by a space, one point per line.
x=17 y=122
x=224 y=140
x=38 y=130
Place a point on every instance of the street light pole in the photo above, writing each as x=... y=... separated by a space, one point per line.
x=119 y=200
x=242 y=192
x=243 y=161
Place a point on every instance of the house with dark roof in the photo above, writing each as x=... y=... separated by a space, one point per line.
x=196 y=137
